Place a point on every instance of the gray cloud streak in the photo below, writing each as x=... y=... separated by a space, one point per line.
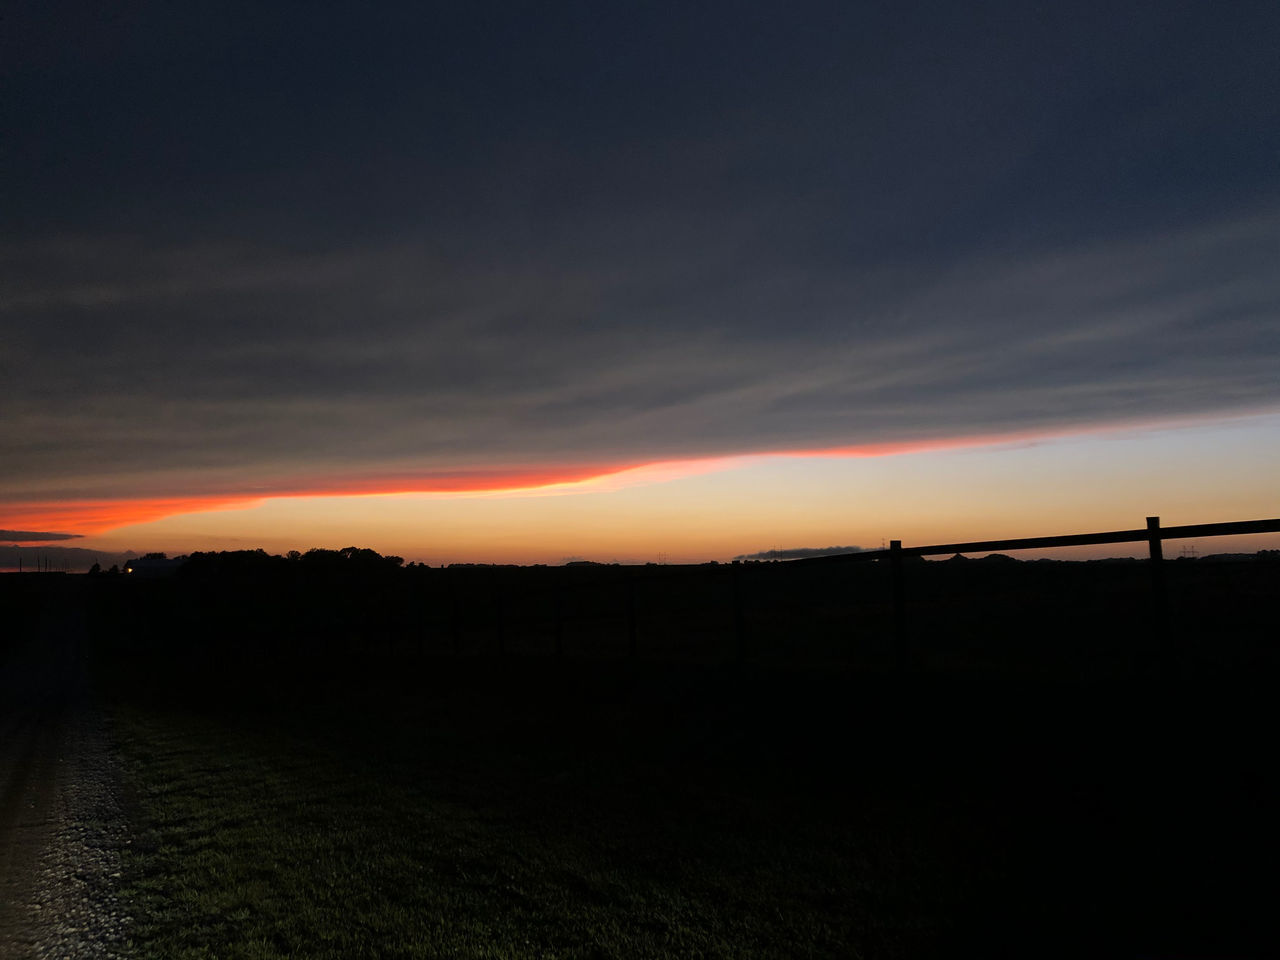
x=798 y=553
x=246 y=252
x=31 y=536
x=248 y=362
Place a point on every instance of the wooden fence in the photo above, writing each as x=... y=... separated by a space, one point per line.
x=1157 y=615
x=1153 y=534
x=727 y=610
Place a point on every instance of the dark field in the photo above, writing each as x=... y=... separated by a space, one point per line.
x=722 y=762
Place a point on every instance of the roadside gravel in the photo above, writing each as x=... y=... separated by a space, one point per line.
x=75 y=910
x=62 y=827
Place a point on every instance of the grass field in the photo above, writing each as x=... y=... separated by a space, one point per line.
x=1041 y=781
x=615 y=811
x=411 y=827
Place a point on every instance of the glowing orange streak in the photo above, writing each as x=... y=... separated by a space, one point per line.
x=457 y=482
x=896 y=448
x=87 y=517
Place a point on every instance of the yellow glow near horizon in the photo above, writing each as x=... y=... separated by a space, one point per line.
x=719 y=508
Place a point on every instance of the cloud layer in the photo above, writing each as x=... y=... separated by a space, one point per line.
x=218 y=370
x=33 y=536
x=798 y=553
x=540 y=248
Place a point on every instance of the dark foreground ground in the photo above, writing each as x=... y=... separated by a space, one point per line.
x=351 y=797
x=63 y=831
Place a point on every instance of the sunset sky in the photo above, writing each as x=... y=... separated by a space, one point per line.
x=692 y=281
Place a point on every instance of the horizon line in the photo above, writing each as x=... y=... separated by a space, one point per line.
x=90 y=516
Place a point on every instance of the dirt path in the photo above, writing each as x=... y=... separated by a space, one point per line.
x=61 y=825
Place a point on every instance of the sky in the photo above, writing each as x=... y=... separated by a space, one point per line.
x=525 y=282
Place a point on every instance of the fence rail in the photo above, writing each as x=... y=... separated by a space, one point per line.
x=500 y=610
x=1152 y=532
x=1153 y=535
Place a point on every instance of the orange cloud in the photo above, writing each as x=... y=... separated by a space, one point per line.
x=95 y=516
x=898 y=447
x=86 y=517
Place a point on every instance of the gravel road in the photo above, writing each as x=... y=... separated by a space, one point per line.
x=62 y=829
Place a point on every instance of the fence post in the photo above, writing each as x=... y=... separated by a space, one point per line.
x=631 y=614
x=899 y=604
x=1159 y=613
x=455 y=620
x=500 y=614
x=422 y=628
x=559 y=612
x=739 y=620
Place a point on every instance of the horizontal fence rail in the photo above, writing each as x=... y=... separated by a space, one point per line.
x=1153 y=535
x=1153 y=531
x=495 y=609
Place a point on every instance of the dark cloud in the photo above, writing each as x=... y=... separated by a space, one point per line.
x=252 y=244
x=250 y=370
x=798 y=553
x=31 y=536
